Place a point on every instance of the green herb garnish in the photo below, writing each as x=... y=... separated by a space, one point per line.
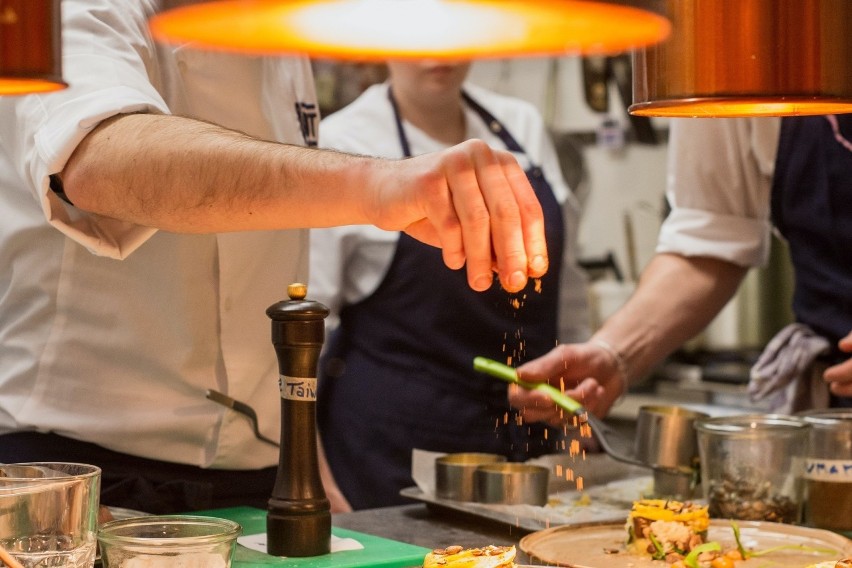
x=660 y=554
x=691 y=559
x=740 y=546
x=755 y=553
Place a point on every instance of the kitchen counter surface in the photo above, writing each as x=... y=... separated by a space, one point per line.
x=430 y=527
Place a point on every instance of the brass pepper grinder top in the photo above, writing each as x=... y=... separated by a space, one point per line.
x=298 y=520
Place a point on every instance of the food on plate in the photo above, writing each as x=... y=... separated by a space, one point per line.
x=676 y=532
x=842 y=563
x=666 y=529
x=459 y=557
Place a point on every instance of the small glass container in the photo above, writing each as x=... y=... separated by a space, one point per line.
x=828 y=470
x=168 y=542
x=752 y=466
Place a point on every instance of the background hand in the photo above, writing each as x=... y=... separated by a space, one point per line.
x=839 y=376
x=585 y=371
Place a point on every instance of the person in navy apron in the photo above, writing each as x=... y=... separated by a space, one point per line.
x=397 y=372
x=812 y=208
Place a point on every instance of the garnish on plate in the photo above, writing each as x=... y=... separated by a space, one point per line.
x=459 y=557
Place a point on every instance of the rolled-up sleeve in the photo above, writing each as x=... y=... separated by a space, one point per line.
x=719 y=184
x=109 y=63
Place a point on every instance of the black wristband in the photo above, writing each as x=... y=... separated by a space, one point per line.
x=59 y=189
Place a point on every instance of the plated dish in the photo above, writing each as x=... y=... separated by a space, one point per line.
x=604 y=545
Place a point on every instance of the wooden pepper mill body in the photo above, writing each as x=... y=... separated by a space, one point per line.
x=298 y=521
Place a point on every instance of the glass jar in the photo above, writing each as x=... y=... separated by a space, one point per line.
x=752 y=466
x=170 y=541
x=828 y=470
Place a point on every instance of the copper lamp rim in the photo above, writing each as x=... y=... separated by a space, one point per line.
x=731 y=106
x=13 y=84
x=728 y=58
x=498 y=29
x=30 y=47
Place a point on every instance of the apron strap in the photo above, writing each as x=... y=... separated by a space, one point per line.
x=489 y=119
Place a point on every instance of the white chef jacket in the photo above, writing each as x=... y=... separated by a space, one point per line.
x=112 y=332
x=348 y=263
x=719 y=186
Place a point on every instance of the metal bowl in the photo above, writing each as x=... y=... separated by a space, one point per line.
x=666 y=438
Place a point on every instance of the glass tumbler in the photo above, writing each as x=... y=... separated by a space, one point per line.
x=828 y=471
x=49 y=513
x=168 y=541
x=752 y=466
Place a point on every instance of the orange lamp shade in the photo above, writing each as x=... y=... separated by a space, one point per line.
x=728 y=58
x=366 y=30
x=30 y=47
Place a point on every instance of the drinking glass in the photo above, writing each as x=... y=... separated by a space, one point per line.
x=49 y=513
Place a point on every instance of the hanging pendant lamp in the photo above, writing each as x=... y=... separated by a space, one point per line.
x=728 y=58
x=366 y=30
x=30 y=47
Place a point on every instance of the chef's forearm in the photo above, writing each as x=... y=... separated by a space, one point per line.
x=675 y=299
x=188 y=176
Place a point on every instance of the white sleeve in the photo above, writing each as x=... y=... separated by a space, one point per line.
x=719 y=184
x=108 y=61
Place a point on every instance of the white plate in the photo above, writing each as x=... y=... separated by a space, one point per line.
x=603 y=545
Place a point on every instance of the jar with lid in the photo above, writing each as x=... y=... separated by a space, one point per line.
x=828 y=469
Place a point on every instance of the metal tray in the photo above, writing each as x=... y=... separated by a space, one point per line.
x=608 y=491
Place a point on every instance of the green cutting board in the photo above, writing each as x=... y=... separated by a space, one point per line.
x=377 y=551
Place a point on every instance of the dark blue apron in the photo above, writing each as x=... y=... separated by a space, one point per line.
x=398 y=372
x=812 y=207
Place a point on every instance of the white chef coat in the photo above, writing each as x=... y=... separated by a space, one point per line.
x=719 y=187
x=112 y=332
x=348 y=263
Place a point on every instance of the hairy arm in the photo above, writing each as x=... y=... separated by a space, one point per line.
x=677 y=297
x=188 y=176
x=183 y=175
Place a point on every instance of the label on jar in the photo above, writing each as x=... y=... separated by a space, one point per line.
x=298 y=388
x=839 y=471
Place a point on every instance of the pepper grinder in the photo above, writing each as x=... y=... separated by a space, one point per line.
x=298 y=520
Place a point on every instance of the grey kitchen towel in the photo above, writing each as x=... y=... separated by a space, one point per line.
x=787 y=375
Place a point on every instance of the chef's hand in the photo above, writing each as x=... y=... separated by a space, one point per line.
x=475 y=203
x=839 y=377
x=336 y=500
x=104 y=514
x=587 y=372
